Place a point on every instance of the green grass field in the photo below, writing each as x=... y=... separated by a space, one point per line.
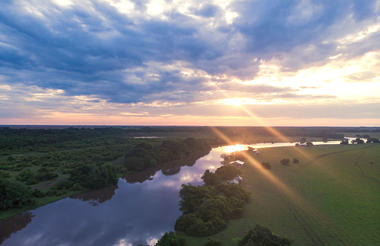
x=332 y=197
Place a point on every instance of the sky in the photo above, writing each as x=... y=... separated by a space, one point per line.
x=170 y=62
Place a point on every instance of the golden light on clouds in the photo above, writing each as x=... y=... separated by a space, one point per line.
x=190 y=63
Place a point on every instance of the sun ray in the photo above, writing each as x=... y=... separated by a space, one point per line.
x=294 y=199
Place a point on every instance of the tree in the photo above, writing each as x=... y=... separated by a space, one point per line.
x=309 y=144
x=261 y=236
x=210 y=178
x=285 y=162
x=372 y=140
x=344 y=141
x=358 y=141
x=94 y=177
x=171 y=239
x=14 y=194
x=227 y=172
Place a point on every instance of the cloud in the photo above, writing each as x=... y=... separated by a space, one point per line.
x=144 y=52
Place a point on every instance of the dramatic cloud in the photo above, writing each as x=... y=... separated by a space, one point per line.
x=124 y=56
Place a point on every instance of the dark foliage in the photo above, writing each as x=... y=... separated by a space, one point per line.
x=222 y=174
x=285 y=162
x=206 y=209
x=227 y=172
x=373 y=140
x=261 y=236
x=145 y=156
x=358 y=141
x=212 y=242
x=296 y=161
x=14 y=194
x=210 y=178
x=94 y=177
x=344 y=141
x=266 y=165
x=171 y=239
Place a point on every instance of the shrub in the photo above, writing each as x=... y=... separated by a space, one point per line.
x=296 y=161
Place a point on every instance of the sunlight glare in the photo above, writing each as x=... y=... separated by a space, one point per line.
x=237 y=101
x=233 y=148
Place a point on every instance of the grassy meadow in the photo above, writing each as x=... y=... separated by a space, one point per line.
x=331 y=197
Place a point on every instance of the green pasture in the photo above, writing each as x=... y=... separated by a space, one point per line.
x=331 y=197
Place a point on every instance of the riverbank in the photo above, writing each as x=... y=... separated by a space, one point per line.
x=26 y=181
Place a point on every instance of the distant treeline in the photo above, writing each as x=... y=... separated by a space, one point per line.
x=144 y=160
x=40 y=139
x=43 y=140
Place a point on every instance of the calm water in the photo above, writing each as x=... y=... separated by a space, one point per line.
x=126 y=215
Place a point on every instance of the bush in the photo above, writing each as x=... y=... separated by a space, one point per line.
x=261 y=236
x=296 y=161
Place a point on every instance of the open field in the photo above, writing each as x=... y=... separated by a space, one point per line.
x=331 y=197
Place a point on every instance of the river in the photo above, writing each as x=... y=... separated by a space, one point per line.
x=124 y=215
